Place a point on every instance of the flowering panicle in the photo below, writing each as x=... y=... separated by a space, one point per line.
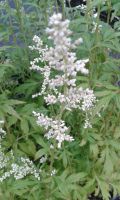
x=23 y=169
x=55 y=128
x=61 y=88
x=17 y=170
x=10 y=167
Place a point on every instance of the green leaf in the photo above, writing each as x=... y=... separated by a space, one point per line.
x=13 y=102
x=8 y=109
x=102 y=104
x=24 y=125
x=108 y=165
x=104 y=188
x=103 y=93
x=76 y=177
x=41 y=142
x=28 y=147
x=40 y=153
x=12 y=120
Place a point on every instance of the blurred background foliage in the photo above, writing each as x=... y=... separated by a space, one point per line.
x=90 y=164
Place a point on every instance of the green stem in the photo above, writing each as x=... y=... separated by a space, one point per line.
x=109 y=11
x=63 y=8
x=10 y=23
x=22 y=28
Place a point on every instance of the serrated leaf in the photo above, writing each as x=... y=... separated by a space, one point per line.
x=102 y=104
x=104 y=188
x=108 y=165
x=76 y=177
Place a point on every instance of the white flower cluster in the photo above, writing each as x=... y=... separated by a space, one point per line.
x=26 y=167
x=2 y=132
x=60 y=87
x=55 y=128
x=19 y=171
x=96 y=26
x=9 y=167
x=81 y=7
x=3 y=159
x=61 y=58
x=46 y=73
x=53 y=172
x=74 y=98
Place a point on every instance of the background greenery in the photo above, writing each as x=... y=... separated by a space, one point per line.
x=90 y=164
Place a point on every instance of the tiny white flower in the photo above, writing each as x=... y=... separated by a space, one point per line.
x=53 y=172
x=43 y=159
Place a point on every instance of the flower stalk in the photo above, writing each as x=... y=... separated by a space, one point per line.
x=61 y=89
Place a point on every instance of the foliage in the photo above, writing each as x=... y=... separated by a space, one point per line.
x=89 y=164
